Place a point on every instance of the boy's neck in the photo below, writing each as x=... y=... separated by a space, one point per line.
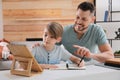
x=49 y=48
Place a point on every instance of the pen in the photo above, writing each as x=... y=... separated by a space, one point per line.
x=81 y=59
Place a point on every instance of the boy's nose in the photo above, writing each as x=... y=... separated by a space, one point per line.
x=47 y=38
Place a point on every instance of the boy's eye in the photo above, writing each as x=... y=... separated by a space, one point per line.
x=51 y=36
x=45 y=35
x=77 y=17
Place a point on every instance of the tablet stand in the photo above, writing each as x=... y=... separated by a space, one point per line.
x=21 y=60
x=24 y=63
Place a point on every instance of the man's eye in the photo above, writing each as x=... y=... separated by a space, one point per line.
x=84 y=19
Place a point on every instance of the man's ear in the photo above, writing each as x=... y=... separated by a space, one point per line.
x=59 y=39
x=93 y=19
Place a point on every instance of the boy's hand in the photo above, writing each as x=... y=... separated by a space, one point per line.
x=48 y=66
x=81 y=64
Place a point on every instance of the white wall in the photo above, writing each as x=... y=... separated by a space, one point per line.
x=102 y=6
x=1 y=21
x=116 y=7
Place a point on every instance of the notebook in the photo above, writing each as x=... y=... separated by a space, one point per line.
x=65 y=66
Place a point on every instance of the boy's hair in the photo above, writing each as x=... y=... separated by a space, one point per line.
x=55 y=29
x=86 y=6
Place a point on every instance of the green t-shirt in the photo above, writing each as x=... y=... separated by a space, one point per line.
x=92 y=38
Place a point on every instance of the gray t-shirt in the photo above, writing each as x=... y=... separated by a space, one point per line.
x=92 y=38
x=50 y=57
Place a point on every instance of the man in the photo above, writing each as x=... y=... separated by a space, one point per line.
x=84 y=37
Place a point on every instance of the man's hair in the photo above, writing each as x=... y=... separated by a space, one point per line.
x=55 y=29
x=86 y=6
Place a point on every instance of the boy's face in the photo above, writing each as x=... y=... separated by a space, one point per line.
x=82 y=21
x=48 y=39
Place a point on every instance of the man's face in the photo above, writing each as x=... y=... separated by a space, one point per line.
x=82 y=21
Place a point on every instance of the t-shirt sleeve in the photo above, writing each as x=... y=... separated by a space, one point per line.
x=35 y=52
x=65 y=54
x=101 y=36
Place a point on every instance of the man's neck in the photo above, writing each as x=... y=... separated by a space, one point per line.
x=79 y=36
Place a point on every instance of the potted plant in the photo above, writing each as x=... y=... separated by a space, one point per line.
x=117 y=53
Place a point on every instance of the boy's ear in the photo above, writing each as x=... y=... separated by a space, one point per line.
x=59 y=39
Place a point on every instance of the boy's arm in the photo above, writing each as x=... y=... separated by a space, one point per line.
x=48 y=66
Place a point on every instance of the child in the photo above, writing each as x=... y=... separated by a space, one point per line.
x=48 y=53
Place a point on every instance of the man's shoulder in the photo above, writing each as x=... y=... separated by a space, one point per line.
x=95 y=27
x=68 y=26
x=68 y=29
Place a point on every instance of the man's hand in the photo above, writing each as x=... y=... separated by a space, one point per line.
x=81 y=51
x=36 y=44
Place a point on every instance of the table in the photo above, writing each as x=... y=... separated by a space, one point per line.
x=92 y=72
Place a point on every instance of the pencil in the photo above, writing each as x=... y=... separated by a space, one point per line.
x=81 y=59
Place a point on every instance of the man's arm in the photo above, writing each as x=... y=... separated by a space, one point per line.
x=105 y=53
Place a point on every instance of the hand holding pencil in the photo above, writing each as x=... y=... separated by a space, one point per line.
x=81 y=60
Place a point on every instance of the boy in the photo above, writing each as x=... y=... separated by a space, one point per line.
x=48 y=53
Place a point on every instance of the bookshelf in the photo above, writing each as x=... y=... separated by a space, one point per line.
x=112 y=21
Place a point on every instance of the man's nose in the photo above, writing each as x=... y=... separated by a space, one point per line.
x=79 y=21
